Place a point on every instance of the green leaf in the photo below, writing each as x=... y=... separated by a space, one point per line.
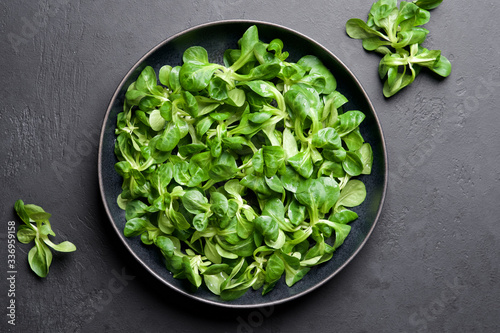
x=267 y=227
x=200 y=222
x=219 y=204
x=338 y=155
x=195 y=54
x=198 y=169
x=344 y=216
x=327 y=138
x=179 y=220
x=169 y=139
x=40 y=258
x=442 y=66
x=247 y=44
x=293 y=272
x=195 y=76
x=314 y=66
x=274 y=270
x=214 y=281
x=353 y=194
x=302 y=163
x=25 y=234
x=257 y=184
x=166 y=245
x=217 y=89
x=374 y=43
x=166 y=111
x=164 y=75
x=296 y=212
x=223 y=168
x=332 y=192
x=276 y=45
x=36 y=213
x=354 y=140
x=216 y=269
x=290 y=179
x=45 y=229
x=274 y=159
x=147 y=80
x=21 y=211
x=358 y=29
x=275 y=209
x=195 y=202
x=135 y=208
x=61 y=247
x=348 y=122
x=225 y=254
x=352 y=164
x=275 y=184
x=191 y=272
x=135 y=226
x=341 y=232
x=311 y=193
x=303 y=102
x=244 y=227
x=366 y=155
x=156 y=121
x=211 y=253
x=400 y=81
x=428 y=4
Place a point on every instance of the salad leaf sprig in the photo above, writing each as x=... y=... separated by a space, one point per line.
x=396 y=33
x=243 y=172
x=37 y=228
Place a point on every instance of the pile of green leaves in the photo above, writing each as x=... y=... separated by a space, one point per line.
x=37 y=227
x=240 y=173
x=398 y=35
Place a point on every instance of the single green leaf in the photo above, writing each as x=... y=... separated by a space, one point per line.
x=366 y=155
x=428 y=4
x=195 y=76
x=267 y=227
x=61 y=247
x=164 y=75
x=166 y=245
x=21 y=211
x=25 y=234
x=169 y=139
x=196 y=54
x=353 y=194
x=195 y=202
x=40 y=258
x=302 y=163
x=147 y=80
x=352 y=164
x=135 y=226
x=358 y=29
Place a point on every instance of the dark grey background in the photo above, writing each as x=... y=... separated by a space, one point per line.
x=432 y=263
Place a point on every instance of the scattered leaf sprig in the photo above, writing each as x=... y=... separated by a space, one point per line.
x=37 y=228
x=397 y=34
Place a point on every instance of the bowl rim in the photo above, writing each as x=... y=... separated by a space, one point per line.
x=138 y=63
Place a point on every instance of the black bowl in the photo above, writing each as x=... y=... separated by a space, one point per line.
x=217 y=37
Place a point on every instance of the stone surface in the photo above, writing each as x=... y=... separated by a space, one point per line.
x=432 y=263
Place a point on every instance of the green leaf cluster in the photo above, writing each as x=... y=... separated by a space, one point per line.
x=240 y=173
x=37 y=228
x=396 y=33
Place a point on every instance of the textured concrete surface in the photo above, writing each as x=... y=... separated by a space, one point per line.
x=432 y=263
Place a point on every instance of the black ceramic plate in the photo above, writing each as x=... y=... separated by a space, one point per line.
x=217 y=37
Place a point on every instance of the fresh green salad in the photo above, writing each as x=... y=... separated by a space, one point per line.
x=240 y=173
x=396 y=33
